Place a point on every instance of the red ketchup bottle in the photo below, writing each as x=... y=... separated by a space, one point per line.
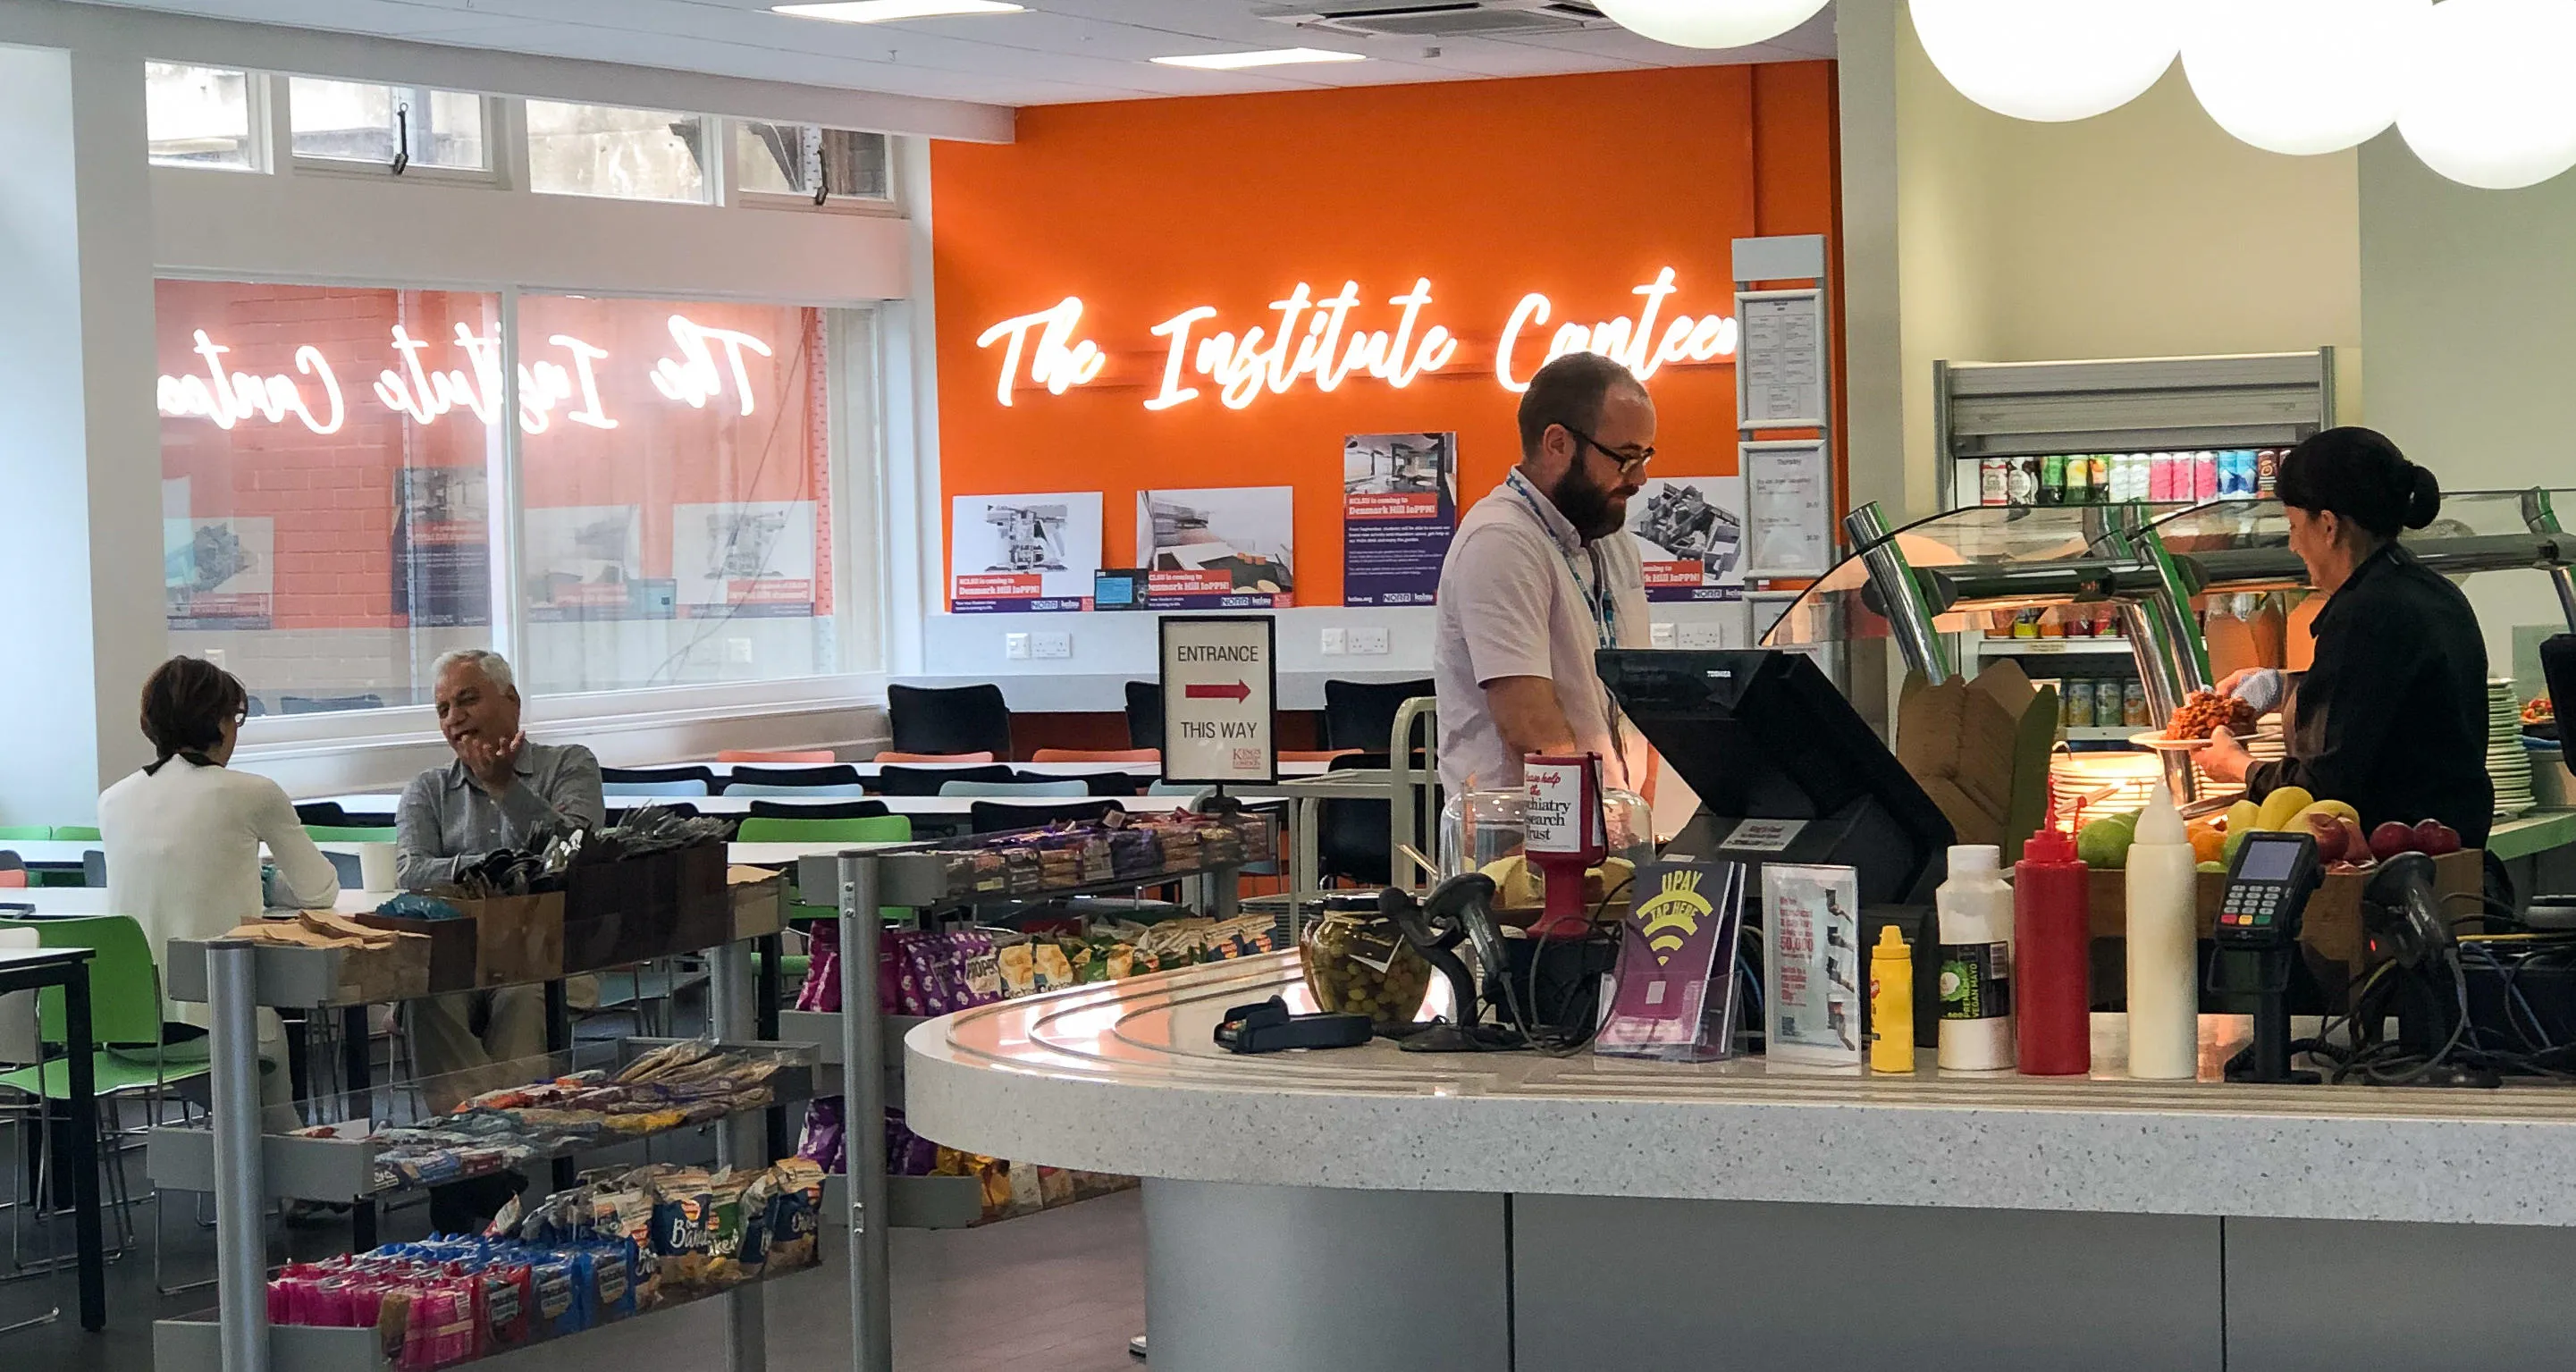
x=2052 y=959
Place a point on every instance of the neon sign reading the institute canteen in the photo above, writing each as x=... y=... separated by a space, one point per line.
x=422 y=392
x=1317 y=342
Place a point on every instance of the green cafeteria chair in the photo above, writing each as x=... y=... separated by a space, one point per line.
x=26 y=833
x=357 y=833
x=133 y=1057
x=76 y=833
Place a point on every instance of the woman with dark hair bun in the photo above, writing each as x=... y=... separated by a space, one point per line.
x=183 y=835
x=2391 y=716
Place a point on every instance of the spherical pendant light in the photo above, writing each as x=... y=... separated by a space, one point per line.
x=2492 y=102
x=2050 y=60
x=1710 y=23
x=2302 y=76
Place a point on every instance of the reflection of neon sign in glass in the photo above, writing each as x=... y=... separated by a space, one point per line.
x=230 y=398
x=422 y=393
x=1314 y=341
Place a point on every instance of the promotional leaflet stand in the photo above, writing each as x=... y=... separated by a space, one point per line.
x=927 y=882
x=247 y=1170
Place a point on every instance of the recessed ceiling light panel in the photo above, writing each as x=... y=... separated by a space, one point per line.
x=1274 y=57
x=887 y=11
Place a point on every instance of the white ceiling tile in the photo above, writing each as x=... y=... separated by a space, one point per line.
x=1060 y=51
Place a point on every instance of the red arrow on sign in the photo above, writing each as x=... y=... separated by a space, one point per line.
x=1238 y=692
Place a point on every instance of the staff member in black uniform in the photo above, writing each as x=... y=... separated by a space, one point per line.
x=2391 y=718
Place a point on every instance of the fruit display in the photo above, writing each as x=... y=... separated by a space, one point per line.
x=2335 y=825
x=2539 y=711
x=2430 y=837
x=2204 y=713
x=2105 y=842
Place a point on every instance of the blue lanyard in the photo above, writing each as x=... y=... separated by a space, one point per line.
x=1599 y=600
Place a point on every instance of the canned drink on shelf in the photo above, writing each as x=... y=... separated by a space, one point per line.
x=1994 y=481
x=2204 y=476
x=2075 y=708
x=2101 y=464
x=2133 y=706
x=2079 y=480
x=2238 y=479
x=2108 y=713
x=2023 y=481
x=2267 y=472
x=2052 y=479
x=2160 y=476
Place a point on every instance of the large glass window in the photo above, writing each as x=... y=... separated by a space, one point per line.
x=333 y=461
x=806 y=159
x=361 y=121
x=199 y=116
x=603 y=150
x=325 y=505
x=677 y=487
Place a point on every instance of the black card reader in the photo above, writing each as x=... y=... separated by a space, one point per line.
x=2265 y=902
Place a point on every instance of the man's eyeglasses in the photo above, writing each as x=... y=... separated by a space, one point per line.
x=1629 y=463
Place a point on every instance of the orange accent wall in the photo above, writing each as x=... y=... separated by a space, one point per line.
x=1578 y=187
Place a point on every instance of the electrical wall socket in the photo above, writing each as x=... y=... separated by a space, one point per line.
x=1659 y=635
x=1051 y=645
x=1369 y=642
x=738 y=651
x=1015 y=647
x=1337 y=641
x=1703 y=635
x=215 y=656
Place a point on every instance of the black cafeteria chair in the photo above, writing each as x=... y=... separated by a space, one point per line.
x=1351 y=836
x=1361 y=714
x=1000 y=816
x=949 y=719
x=647 y=776
x=897 y=780
x=322 y=814
x=834 y=774
x=835 y=809
x=1144 y=714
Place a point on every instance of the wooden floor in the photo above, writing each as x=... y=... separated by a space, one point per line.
x=1061 y=1291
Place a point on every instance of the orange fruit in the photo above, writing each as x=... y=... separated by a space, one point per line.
x=2207 y=844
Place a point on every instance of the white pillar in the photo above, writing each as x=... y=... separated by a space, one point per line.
x=80 y=450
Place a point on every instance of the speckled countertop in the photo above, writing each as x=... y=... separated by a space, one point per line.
x=1124 y=1078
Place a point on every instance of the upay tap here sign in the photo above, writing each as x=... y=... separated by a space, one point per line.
x=1220 y=688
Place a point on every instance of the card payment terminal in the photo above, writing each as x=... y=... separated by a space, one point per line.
x=2267 y=896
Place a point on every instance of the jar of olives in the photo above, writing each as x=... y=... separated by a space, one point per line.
x=1358 y=963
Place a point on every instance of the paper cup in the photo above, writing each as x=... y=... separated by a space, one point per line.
x=376 y=866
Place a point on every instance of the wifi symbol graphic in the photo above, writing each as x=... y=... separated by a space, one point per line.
x=1670 y=922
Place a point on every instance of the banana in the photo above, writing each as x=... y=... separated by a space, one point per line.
x=2283 y=806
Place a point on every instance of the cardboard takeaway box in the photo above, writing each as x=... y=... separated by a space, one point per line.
x=2331 y=928
x=759 y=901
x=500 y=942
x=1980 y=750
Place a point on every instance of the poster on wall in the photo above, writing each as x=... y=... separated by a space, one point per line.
x=1019 y=554
x=586 y=562
x=1789 y=509
x=746 y=560
x=1230 y=548
x=1399 y=511
x=1690 y=536
x=219 y=573
x=442 y=546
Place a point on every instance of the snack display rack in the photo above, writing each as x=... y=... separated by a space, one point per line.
x=856 y=1038
x=246 y=1168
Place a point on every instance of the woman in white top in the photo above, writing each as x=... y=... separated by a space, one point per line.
x=183 y=835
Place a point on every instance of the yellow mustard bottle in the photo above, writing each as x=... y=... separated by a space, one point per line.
x=1891 y=1003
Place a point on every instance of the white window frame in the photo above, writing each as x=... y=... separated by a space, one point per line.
x=857 y=453
x=887 y=206
x=282 y=101
x=263 y=134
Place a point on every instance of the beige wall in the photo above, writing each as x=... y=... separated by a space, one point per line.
x=2144 y=232
x=2469 y=315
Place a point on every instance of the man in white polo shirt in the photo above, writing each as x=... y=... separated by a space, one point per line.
x=1540 y=577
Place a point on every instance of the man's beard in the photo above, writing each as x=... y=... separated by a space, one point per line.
x=1586 y=506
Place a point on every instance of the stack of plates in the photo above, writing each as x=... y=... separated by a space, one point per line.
x=2508 y=762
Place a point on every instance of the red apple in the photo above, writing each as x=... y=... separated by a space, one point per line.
x=2328 y=830
x=2434 y=838
x=2392 y=838
x=2356 y=844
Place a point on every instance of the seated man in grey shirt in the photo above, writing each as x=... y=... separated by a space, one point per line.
x=500 y=792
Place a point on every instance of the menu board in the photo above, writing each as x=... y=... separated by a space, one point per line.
x=1780 y=364
x=1788 y=503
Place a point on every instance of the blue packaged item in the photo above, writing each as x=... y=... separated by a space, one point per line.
x=557 y=1281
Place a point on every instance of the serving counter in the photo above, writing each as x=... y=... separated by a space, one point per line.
x=1372 y=1209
